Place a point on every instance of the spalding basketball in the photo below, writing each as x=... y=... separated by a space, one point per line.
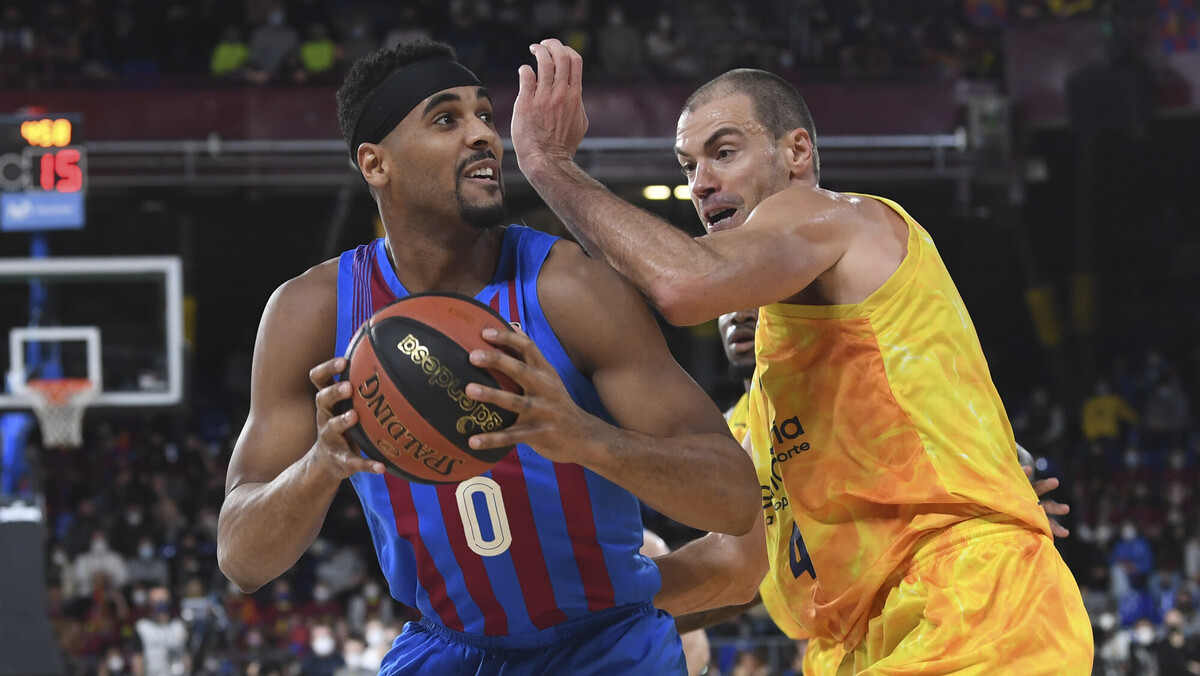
x=409 y=366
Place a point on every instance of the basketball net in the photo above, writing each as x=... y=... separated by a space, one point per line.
x=59 y=404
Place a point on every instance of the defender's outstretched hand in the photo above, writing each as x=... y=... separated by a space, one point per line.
x=548 y=419
x=548 y=117
x=1052 y=508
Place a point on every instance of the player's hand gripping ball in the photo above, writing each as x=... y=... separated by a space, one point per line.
x=408 y=366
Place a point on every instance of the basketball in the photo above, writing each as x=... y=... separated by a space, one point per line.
x=409 y=365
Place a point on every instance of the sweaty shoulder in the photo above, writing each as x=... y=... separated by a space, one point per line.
x=862 y=241
x=583 y=298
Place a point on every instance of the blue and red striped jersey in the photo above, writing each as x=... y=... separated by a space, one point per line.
x=530 y=544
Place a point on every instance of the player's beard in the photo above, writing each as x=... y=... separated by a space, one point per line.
x=482 y=216
x=741 y=371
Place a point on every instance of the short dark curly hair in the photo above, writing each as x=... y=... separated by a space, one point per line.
x=371 y=70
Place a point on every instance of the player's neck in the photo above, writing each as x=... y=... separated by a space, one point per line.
x=462 y=260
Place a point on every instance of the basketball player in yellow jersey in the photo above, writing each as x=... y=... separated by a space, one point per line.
x=821 y=656
x=896 y=522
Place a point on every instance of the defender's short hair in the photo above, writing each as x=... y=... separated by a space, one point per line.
x=777 y=105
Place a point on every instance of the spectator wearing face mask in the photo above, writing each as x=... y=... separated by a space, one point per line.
x=114 y=663
x=1142 y=655
x=369 y=602
x=146 y=566
x=353 y=657
x=324 y=660
x=1175 y=652
x=99 y=561
x=274 y=46
x=379 y=641
x=163 y=637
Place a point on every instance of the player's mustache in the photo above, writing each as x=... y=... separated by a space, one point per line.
x=476 y=157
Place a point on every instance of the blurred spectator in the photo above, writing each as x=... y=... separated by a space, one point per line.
x=1132 y=559
x=98 y=565
x=1175 y=652
x=358 y=41
x=619 y=47
x=183 y=42
x=163 y=637
x=319 y=55
x=409 y=27
x=1142 y=657
x=1165 y=415
x=379 y=636
x=370 y=603
x=352 y=657
x=1191 y=558
x=325 y=659
x=204 y=616
x=128 y=531
x=1041 y=425
x=115 y=663
x=1104 y=412
x=133 y=43
x=231 y=55
x=80 y=527
x=345 y=569
x=577 y=34
x=468 y=37
x=60 y=49
x=324 y=607
x=549 y=17
x=18 y=45
x=273 y=46
x=666 y=53
x=146 y=566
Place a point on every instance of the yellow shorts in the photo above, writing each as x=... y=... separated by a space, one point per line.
x=986 y=596
x=821 y=656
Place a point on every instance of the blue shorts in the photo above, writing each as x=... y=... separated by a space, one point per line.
x=628 y=640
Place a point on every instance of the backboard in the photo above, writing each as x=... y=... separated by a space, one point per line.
x=118 y=321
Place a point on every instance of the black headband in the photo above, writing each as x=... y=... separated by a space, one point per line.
x=395 y=98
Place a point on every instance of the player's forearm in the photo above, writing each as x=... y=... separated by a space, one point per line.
x=705 y=481
x=657 y=257
x=711 y=618
x=713 y=572
x=264 y=528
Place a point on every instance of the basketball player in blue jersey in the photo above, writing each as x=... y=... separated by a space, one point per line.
x=532 y=568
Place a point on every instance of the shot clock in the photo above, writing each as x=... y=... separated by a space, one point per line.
x=43 y=172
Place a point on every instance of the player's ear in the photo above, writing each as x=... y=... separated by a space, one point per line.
x=372 y=162
x=798 y=151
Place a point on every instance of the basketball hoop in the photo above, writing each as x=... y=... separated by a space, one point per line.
x=59 y=404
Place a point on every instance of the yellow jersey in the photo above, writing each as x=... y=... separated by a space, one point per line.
x=738 y=419
x=873 y=425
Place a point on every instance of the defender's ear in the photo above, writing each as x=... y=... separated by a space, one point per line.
x=798 y=149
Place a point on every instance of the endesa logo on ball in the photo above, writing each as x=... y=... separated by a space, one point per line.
x=480 y=417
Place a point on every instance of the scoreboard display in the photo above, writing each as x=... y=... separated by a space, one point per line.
x=43 y=172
